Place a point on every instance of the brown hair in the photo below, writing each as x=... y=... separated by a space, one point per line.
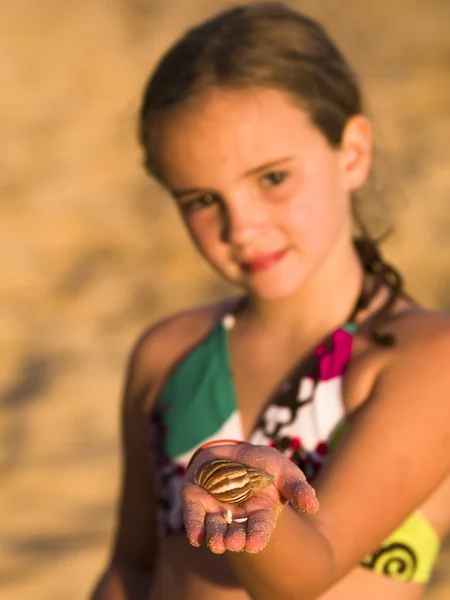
x=267 y=45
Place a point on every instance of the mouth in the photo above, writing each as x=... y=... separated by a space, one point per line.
x=264 y=262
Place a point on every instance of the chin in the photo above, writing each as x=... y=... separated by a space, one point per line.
x=266 y=286
x=275 y=290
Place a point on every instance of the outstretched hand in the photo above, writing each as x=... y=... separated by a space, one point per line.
x=254 y=522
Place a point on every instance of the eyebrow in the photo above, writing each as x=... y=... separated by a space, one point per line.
x=274 y=163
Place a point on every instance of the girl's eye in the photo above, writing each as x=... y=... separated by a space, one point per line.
x=197 y=204
x=274 y=178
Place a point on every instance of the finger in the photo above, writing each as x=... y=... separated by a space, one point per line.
x=194 y=522
x=235 y=536
x=304 y=499
x=215 y=532
x=196 y=503
x=260 y=527
x=295 y=489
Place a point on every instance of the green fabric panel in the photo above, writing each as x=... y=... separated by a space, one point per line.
x=337 y=434
x=198 y=396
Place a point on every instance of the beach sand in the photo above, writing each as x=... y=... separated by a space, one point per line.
x=93 y=252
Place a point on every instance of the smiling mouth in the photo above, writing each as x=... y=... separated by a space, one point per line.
x=263 y=263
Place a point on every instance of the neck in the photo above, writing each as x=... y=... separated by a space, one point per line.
x=323 y=302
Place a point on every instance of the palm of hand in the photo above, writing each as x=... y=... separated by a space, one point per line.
x=204 y=516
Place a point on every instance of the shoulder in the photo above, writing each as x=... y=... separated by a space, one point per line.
x=176 y=333
x=421 y=333
x=415 y=378
x=415 y=321
x=410 y=378
x=162 y=344
x=415 y=331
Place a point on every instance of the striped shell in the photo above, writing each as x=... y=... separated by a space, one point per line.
x=231 y=482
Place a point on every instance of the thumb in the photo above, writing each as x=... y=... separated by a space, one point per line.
x=304 y=498
x=296 y=490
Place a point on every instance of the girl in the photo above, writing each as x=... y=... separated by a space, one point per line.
x=322 y=368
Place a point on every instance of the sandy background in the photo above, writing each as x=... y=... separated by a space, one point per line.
x=91 y=251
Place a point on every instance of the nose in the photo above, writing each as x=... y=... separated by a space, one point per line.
x=243 y=222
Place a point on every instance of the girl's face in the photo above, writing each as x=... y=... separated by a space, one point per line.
x=264 y=196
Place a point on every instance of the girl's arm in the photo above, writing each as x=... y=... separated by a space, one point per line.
x=128 y=575
x=395 y=453
x=122 y=582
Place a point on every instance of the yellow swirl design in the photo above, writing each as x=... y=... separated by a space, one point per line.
x=395 y=560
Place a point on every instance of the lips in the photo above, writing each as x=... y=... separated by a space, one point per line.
x=264 y=262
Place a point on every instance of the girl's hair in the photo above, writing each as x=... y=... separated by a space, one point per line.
x=267 y=45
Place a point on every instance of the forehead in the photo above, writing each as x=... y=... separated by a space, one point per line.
x=227 y=132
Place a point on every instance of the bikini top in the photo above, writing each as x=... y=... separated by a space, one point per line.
x=304 y=420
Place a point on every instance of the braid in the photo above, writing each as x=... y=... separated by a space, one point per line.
x=384 y=274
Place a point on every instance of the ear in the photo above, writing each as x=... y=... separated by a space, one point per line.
x=356 y=151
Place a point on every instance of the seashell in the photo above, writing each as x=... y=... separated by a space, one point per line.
x=228 y=516
x=231 y=482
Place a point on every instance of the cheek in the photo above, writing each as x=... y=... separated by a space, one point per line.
x=317 y=209
x=204 y=228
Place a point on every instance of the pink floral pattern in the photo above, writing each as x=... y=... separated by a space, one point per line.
x=333 y=363
x=332 y=359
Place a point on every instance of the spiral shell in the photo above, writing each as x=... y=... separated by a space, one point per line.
x=231 y=482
